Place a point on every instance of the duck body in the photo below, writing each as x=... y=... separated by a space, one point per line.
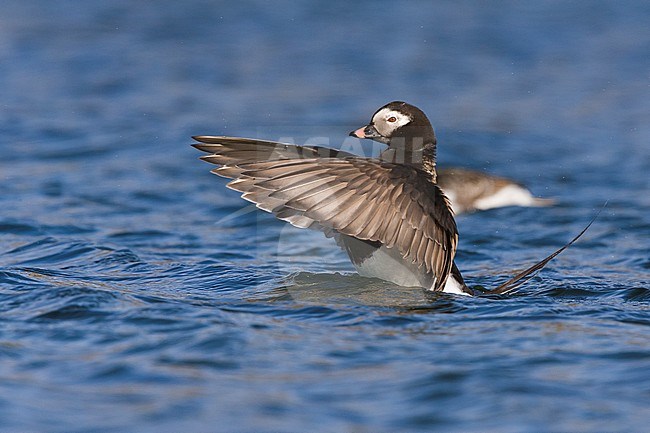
x=471 y=190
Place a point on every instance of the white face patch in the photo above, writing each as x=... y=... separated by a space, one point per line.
x=387 y=121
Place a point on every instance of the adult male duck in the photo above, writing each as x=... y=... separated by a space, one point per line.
x=388 y=213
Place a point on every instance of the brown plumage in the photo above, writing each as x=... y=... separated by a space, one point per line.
x=470 y=190
x=394 y=204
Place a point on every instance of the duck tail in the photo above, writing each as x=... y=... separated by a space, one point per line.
x=525 y=275
x=543 y=202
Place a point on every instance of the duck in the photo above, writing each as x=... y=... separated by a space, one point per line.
x=472 y=190
x=387 y=213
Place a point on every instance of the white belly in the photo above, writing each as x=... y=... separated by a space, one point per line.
x=387 y=264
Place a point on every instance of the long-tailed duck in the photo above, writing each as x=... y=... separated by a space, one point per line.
x=471 y=190
x=388 y=213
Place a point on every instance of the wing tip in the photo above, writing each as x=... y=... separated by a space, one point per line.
x=210 y=143
x=210 y=138
x=207 y=148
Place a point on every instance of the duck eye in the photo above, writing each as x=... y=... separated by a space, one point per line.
x=392 y=119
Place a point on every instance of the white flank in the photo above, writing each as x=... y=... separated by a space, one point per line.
x=511 y=195
x=387 y=264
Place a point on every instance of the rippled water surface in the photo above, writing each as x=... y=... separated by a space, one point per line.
x=138 y=294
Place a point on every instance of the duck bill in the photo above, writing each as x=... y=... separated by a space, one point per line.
x=368 y=131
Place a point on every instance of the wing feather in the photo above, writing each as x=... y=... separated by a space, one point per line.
x=369 y=199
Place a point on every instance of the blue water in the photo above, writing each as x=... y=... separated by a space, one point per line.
x=137 y=293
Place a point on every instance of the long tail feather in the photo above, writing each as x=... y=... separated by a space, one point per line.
x=525 y=275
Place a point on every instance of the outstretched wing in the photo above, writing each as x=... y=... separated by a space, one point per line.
x=322 y=188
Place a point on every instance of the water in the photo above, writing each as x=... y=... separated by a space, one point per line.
x=138 y=294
